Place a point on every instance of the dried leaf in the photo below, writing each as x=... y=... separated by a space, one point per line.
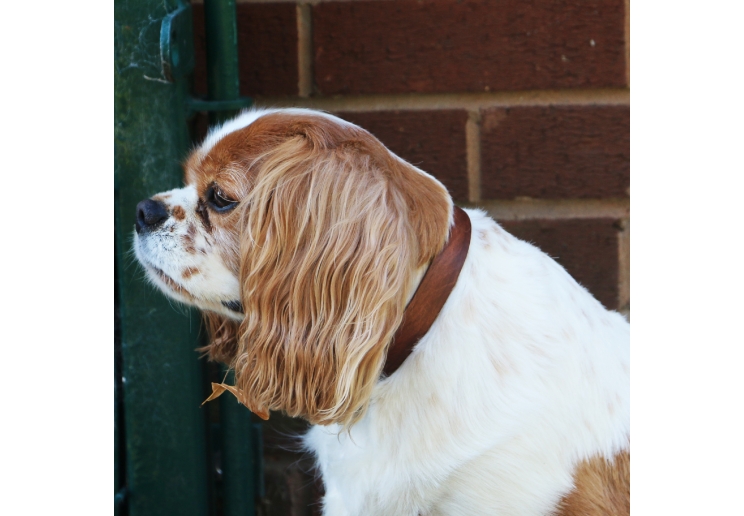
x=219 y=388
x=263 y=414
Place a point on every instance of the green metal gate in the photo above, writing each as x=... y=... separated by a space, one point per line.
x=172 y=457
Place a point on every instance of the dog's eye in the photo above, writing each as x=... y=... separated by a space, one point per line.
x=218 y=200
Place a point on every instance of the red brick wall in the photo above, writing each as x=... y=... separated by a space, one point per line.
x=513 y=105
x=521 y=108
x=447 y=46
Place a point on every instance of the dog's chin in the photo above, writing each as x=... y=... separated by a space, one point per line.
x=232 y=309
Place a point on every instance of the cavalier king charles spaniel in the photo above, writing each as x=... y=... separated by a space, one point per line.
x=306 y=243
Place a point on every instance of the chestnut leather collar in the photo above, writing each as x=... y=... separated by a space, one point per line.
x=431 y=294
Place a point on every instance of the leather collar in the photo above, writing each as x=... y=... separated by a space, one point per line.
x=431 y=294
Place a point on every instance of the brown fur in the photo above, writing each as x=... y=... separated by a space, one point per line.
x=178 y=213
x=187 y=240
x=223 y=343
x=174 y=285
x=602 y=487
x=189 y=271
x=330 y=230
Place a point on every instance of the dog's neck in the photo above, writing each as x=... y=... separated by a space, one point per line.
x=432 y=286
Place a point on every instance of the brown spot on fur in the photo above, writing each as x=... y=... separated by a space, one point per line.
x=188 y=239
x=188 y=244
x=189 y=271
x=178 y=213
x=173 y=285
x=602 y=487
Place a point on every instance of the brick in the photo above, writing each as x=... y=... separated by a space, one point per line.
x=586 y=248
x=469 y=45
x=267 y=49
x=434 y=141
x=200 y=51
x=555 y=152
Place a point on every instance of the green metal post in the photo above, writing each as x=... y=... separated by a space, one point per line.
x=166 y=466
x=238 y=466
x=237 y=434
x=118 y=502
x=221 y=28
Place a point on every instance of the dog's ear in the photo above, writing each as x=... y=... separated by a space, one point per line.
x=331 y=241
x=223 y=338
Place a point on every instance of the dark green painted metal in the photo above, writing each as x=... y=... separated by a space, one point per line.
x=237 y=435
x=239 y=471
x=220 y=105
x=223 y=82
x=118 y=462
x=177 y=43
x=166 y=454
x=118 y=500
x=258 y=454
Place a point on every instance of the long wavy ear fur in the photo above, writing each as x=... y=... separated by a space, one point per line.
x=223 y=338
x=336 y=228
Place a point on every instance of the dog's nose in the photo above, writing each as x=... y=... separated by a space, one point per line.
x=150 y=215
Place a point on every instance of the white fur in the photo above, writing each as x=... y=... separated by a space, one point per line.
x=522 y=376
x=248 y=116
x=163 y=250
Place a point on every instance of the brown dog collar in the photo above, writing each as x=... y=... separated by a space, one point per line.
x=431 y=294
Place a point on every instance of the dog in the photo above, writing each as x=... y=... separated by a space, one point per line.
x=306 y=243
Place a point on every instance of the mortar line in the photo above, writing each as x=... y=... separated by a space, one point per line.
x=473 y=151
x=304 y=50
x=627 y=43
x=468 y=101
x=531 y=209
x=623 y=288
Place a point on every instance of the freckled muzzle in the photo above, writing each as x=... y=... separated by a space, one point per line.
x=174 y=243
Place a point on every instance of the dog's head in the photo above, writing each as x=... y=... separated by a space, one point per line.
x=300 y=236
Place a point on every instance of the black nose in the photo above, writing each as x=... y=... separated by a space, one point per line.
x=150 y=215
